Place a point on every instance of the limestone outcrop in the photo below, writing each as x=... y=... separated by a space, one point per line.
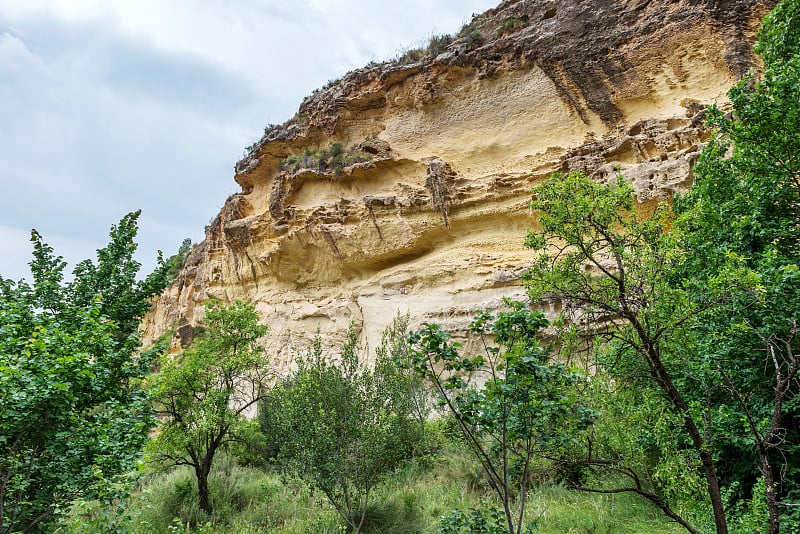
x=405 y=186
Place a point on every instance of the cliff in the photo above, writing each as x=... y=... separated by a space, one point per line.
x=405 y=186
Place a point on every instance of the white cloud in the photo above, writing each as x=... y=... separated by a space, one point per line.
x=109 y=106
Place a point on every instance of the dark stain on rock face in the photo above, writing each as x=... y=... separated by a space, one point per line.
x=588 y=48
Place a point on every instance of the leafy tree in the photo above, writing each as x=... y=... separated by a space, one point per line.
x=404 y=387
x=177 y=260
x=203 y=394
x=635 y=445
x=610 y=267
x=711 y=306
x=740 y=228
x=525 y=407
x=342 y=426
x=72 y=412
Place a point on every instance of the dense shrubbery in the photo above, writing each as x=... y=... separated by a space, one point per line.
x=415 y=499
x=342 y=428
x=73 y=415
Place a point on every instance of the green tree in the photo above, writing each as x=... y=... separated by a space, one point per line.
x=740 y=228
x=342 y=427
x=525 y=408
x=635 y=445
x=203 y=394
x=404 y=387
x=72 y=412
x=177 y=260
x=610 y=266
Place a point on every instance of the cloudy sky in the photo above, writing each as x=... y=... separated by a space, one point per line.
x=108 y=106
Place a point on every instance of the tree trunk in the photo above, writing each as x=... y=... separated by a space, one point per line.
x=202 y=487
x=664 y=380
x=706 y=459
x=771 y=498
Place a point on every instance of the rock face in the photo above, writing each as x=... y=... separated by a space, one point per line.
x=405 y=187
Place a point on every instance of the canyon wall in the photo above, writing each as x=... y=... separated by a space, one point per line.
x=404 y=186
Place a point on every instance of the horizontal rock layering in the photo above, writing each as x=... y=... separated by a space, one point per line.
x=426 y=208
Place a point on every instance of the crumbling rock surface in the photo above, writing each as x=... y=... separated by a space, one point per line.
x=433 y=224
x=440 y=183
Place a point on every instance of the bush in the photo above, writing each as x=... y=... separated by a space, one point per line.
x=475 y=39
x=475 y=521
x=439 y=44
x=343 y=428
x=511 y=25
x=411 y=55
x=333 y=159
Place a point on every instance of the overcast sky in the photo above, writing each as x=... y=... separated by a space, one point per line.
x=108 y=106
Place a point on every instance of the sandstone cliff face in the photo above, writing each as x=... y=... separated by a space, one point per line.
x=426 y=208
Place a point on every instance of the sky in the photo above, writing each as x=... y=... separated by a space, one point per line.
x=109 y=106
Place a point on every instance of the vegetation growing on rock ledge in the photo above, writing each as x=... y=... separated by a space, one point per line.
x=327 y=160
x=511 y=25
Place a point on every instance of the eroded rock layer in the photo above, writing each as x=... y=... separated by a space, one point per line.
x=405 y=187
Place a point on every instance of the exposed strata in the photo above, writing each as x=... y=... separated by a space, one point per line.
x=433 y=222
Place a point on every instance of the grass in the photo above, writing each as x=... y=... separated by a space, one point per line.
x=251 y=500
x=511 y=25
x=557 y=510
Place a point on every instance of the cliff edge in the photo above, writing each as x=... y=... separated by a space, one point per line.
x=404 y=186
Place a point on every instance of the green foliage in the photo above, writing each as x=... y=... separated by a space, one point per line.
x=177 y=261
x=750 y=515
x=329 y=160
x=610 y=267
x=410 y=55
x=242 y=495
x=72 y=413
x=525 y=408
x=709 y=308
x=412 y=501
x=779 y=39
x=636 y=438
x=475 y=39
x=111 y=512
x=301 y=117
x=250 y=149
x=331 y=83
x=405 y=389
x=438 y=44
x=511 y=25
x=740 y=228
x=470 y=32
x=475 y=521
x=342 y=427
x=203 y=393
x=471 y=26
